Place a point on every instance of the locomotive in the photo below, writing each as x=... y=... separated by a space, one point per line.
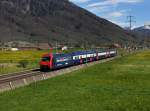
x=52 y=61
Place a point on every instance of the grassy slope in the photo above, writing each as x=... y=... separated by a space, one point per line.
x=120 y=85
x=9 y=60
x=10 y=56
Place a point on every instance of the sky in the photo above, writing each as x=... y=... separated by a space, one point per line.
x=117 y=11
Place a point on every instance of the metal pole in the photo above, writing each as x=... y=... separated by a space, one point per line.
x=130 y=20
x=86 y=53
x=56 y=46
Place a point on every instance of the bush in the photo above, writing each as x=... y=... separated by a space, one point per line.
x=23 y=63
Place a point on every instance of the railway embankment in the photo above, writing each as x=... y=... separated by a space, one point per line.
x=13 y=81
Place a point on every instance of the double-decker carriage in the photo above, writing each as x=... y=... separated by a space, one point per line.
x=55 y=61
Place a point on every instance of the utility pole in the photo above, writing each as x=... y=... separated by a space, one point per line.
x=56 y=47
x=130 y=20
x=86 y=52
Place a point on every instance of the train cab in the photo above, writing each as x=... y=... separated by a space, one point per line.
x=55 y=61
x=46 y=62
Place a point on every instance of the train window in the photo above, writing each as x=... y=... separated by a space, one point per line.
x=80 y=57
x=46 y=59
x=76 y=57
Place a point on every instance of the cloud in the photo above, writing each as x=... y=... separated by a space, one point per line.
x=101 y=9
x=116 y=14
x=113 y=2
x=147 y=23
x=79 y=1
x=108 y=9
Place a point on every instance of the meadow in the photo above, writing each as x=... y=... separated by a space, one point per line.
x=119 y=85
x=9 y=61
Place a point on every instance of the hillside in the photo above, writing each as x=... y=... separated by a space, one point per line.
x=55 y=20
x=143 y=33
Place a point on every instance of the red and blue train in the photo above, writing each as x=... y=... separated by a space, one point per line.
x=55 y=61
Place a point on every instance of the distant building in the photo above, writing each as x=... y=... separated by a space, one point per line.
x=115 y=45
x=4 y=48
x=28 y=48
x=14 y=49
x=40 y=46
x=64 y=48
x=44 y=46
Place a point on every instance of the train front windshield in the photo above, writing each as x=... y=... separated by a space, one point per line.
x=46 y=59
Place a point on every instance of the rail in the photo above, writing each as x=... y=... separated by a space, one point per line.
x=12 y=81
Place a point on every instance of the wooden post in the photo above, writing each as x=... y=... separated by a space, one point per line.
x=44 y=76
x=25 y=81
x=34 y=79
x=10 y=84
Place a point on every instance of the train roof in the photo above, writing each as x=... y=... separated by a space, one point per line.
x=61 y=55
x=75 y=53
x=83 y=52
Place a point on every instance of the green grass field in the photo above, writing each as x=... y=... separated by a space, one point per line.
x=9 y=60
x=120 y=85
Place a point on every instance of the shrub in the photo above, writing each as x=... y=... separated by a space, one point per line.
x=23 y=63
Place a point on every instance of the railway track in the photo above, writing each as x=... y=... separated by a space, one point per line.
x=12 y=81
x=19 y=75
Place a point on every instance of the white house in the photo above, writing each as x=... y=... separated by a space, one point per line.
x=14 y=49
x=64 y=48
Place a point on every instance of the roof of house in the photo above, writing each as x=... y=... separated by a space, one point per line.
x=44 y=46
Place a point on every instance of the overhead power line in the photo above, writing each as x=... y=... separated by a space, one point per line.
x=131 y=20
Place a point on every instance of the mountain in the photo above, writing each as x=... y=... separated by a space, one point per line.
x=55 y=20
x=143 y=31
